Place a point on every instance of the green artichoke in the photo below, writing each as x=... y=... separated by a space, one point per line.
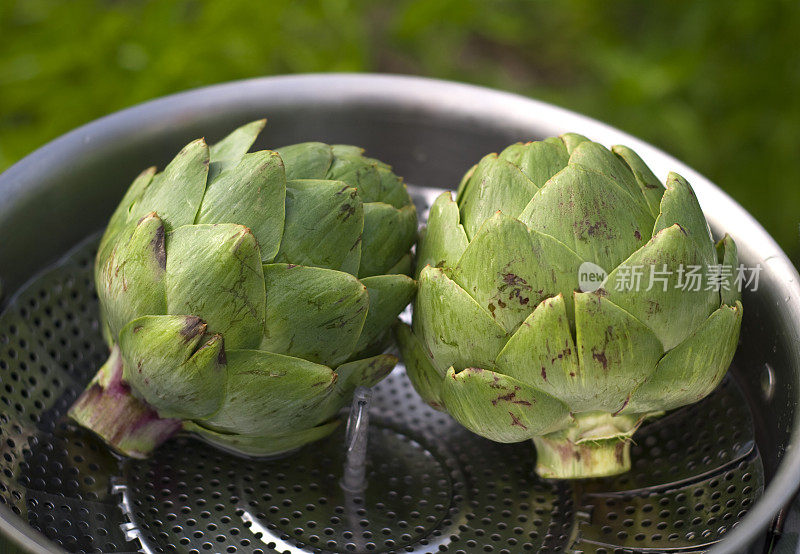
x=505 y=339
x=245 y=296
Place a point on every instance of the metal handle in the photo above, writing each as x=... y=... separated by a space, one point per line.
x=354 y=477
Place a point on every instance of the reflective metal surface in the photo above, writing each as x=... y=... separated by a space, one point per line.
x=431 y=132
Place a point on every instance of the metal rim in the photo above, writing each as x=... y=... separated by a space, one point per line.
x=460 y=100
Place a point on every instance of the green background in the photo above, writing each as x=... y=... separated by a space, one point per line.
x=713 y=83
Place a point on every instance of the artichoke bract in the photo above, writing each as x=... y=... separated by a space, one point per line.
x=508 y=339
x=245 y=296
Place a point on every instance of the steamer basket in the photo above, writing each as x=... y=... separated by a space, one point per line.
x=714 y=476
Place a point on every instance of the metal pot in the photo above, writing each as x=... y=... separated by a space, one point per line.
x=431 y=132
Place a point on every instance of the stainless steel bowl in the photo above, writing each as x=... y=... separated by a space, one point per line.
x=431 y=132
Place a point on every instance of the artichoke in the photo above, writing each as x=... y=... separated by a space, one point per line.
x=245 y=296
x=507 y=342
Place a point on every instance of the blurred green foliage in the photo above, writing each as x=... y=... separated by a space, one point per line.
x=714 y=83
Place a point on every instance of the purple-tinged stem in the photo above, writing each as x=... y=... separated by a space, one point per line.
x=108 y=408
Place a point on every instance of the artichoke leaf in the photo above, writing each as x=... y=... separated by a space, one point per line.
x=388 y=296
x=651 y=187
x=250 y=193
x=593 y=155
x=324 y=222
x=616 y=353
x=667 y=298
x=457 y=330
x=462 y=185
x=591 y=215
x=559 y=142
x=539 y=160
x=313 y=313
x=214 y=272
x=268 y=392
x=496 y=184
x=176 y=193
x=351 y=167
x=728 y=259
x=307 y=160
x=571 y=141
x=393 y=190
x=499 y=407
x=119 y=219
x=509 y=269
x=262 y=445
x=348 y=151
x=130 y=279
x=388 y=235
x=403 y=266
x=367 y=372
x=426 y=379
x=542 y=353
x=173 y=365
x=445 y=239
x=679 y=205
x=362 y=373
x=373 y=178
x=693 y=369
x=229 y=151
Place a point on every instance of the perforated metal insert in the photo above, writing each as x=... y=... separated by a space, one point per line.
x=433 y=486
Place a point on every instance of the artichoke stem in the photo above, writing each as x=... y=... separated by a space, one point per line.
x=594 y=444
x=564 y=459
x=108 y=408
